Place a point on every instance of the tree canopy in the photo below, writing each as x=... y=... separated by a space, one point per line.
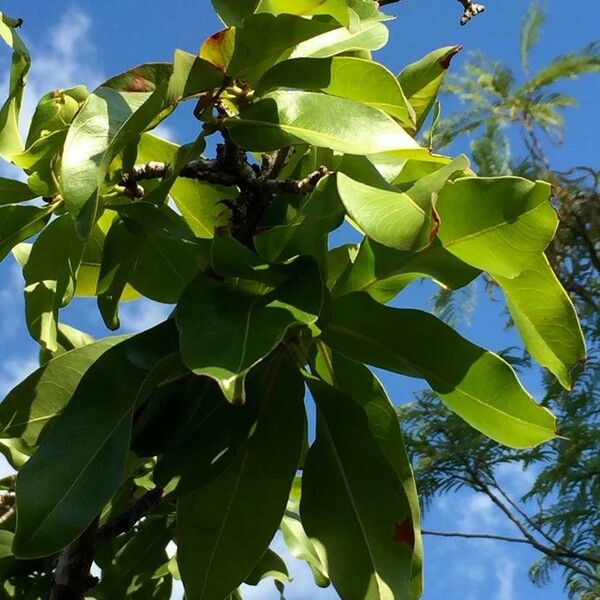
x=195 y=433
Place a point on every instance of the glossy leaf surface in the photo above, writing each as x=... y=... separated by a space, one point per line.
x=545 y=318
x=356 y=79
x=499 y=225
x=291 y=117
x=476 y=384
x=421 y=80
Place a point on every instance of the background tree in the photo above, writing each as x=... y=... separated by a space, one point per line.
x=194 y=433
x=510 y=124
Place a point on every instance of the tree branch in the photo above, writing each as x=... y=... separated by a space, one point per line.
x=558 y=555
x=211 y=172
x=125 y=521
x=72 y=577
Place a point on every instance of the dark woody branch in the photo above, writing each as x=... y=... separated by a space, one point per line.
x=211 y=171
x=72 y=578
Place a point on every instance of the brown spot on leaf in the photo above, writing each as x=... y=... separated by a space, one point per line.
x=404 y=532
x=447 y=58
x=138 y=83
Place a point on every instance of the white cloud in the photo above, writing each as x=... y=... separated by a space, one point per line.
x=515 y=478
x=505 y=575
x=11 y=297
x=14 y=371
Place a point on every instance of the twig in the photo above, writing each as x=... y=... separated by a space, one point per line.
x=476 y=536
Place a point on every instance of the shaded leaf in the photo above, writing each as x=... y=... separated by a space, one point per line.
x=14 y=192
x=269 y=565
x=352 y=500
x=355 y=380
x=50 y=279
x=238 y=328
x=384 y=272
x=220 y=539
x=32 y=406
x=56 y=501
x=232 y=12
x=17 y=223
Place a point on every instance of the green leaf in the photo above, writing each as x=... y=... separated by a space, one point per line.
x=67 y=338
x=186 y=465
x=363 y=36
x=120 y=250
x=357 y=381
x=291 y=117
x=90 y=143
x=545 y=318
x=14 y=192
x=402 y=167
x=239 y=328
x=10 y=136
x=303 y=548
x=476 y=384
x=499 y=224
x=191 y=76
x=34 y=404
x=50 y=279
x=354 y=503
x=232 y=12
x=219 y=540
x=17 y=223
x=401 y=220
x=530 y=32
x=132 y=568
x=89 y=271
x=54 y=111
x=421 y=80
x=384 y=272
x=306 y=233
x=56 y=501
x=356 y=79
x=270 y=564
x=263 y=40
x=338 y=9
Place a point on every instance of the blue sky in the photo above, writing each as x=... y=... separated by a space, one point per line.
x=87 y=41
